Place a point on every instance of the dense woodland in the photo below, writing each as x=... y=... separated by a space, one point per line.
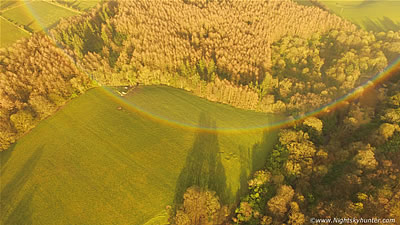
x=344 y=164
x=341 y=164
x=270 y=56
x=36 y=78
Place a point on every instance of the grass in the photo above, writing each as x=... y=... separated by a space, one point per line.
x=179 y=106
x=81 y=5
x=37 y=15
x=85 y=5
x=375 y=15
x=304 y=2
x=10 y=33
x=111 y=160
x=6 y=4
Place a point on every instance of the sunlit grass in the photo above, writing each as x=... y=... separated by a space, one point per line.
x=6 y=4
x=85 y=4
x=96 y=163
x=376 y=15
x=37 y=15
x=10 y=33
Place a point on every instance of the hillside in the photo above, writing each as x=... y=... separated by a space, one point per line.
x=11 y=33
x=18 y=19
x=185 y=134
x=250 y=64
x=95 y=163
x=372 y=15
x=37 y=15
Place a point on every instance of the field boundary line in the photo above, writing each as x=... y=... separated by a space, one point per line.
x=61 y=6
x=13 y=7
x=1 y=16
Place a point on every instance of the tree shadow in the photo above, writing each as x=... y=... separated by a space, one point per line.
x=203 y=166
x=5 y=156
x=254 y=159
x=22 y=213
x=14 y=186
x=260 y=150
x=385 y=24
x=367 y=2
x=51 y=26
x=68 y=3
x=7 y=4
x=244 y=157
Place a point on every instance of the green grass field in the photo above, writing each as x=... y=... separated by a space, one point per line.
x=376 y=15
x=6 y=4
x=81 y=5
x=10 y=33
x=37 y=15
x=96 y=163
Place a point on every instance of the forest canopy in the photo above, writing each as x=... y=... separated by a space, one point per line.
x=271 y=56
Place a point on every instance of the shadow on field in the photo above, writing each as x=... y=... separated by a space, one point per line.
x=385 y=24
x=367 y=2
x=203 y=166
x=254 y=159
x=7 y=4
x=51 y=26
x=23 y=210
x=14 y=186
x=5 y=156
x=244 y=159
x=260 y=150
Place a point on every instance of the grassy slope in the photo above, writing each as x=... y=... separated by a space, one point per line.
x=5 y=4
x=376 y=15
x=304 y=2
x=180 y=107
x=10 y=33
x=92 y=163
x=37 y=15
x=79 y=4
x=85 y=5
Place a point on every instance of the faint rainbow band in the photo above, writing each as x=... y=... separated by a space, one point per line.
x=355 y=93
x=380 y=77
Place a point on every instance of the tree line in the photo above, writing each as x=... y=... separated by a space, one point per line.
x=36 y=78
x=259 y=59
x=188 y=45
x=344 y=164
x=341 y=164
x=163 y=35
x=270 y=56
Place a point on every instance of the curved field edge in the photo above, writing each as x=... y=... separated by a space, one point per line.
x=99 y=161
x=374 y=15
x=10 y=33
x=37 y=15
